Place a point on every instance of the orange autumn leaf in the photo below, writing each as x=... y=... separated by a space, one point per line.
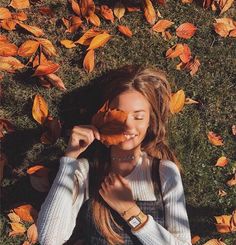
x=222 y=193
x=189 y=101
x=20 y=4
x=221 y=162
x=68 y=43
x=47 y=46
x=46 y=69
x=56 y=81
x=38 y=170
x=94 y=19
x=193 y=66
x=215 y=139
x=162 y=25
x=99 y=41
x=14 y=217
x=10 y=64
x=224 y=25
x=221 y=29
x=36 y=31
x=86 y=7
x=225 y=5
x=26 y=243
x=119 y=9
x=4 y=13
x=7 y=49
x=28 y=48
x=186 y=30
x=232 y=33
x=32 y=234
x=40 y=109
x=73 y=24
x=195 y=239
x=76 y=8
x=149 y=12
x=177 y=101
x=87 y=37
x=175 y=51
x=19 y=16
x=88 y=62
x=17 y=229
x=26 y=212
x=107 y=13
x=8 y=24
x=125 y=30
x=223 y=223
x=186 y=54
x=232 y=181
x=52 y=131
x=110 y=124
x=214 y=242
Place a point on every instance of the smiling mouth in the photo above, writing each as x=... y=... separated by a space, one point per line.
x=129 y=136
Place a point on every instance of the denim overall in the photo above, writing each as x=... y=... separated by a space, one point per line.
x=88 y=231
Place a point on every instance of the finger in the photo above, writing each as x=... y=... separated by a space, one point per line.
x=112 y=178
x=122 y=179
x=101 y=192
x=95 y=131
x=104 y=186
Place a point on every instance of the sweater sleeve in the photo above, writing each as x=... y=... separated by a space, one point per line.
x=177 y=231
x=57 y=216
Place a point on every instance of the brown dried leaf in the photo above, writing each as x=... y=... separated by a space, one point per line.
x=20 y=4
x=149 y=12
x=32 y=234
x=186 y=30
x=177 y=101
x=215 y=139
x=8 y=49
x=125 y=30
x=40 y=109
x=88 y=62
x=4 y=13
x=221 y=162
x=46 y=69
x=56 y=81
x=107 y=13
x=99 y=41
x=162 y=25
x=27 y=213
x=48 y=47
x=28 y=48
x=10 y=64
x=119 y=9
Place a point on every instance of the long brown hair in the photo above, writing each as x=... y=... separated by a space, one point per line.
x=152 y=83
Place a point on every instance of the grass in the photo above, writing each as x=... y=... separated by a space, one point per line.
x=213 y=86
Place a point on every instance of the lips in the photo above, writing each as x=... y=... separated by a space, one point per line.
x=129 y=136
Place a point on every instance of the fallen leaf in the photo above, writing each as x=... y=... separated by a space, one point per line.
x=38 y=170
x=175 y=51
x=107 y=13
x=10 y=64
x=28 y=48
x=88 y=62
x=4 y=13
x=193 y=66
x=94 y=19
x=99 y=41
x=68 y=43
x=40 y=109
x=162 y=25
x=224 y=25
x=46 y=69
x=32 y=234
x=119 y=9
x=189 y=101
x=32 y=29
x=56 y=81
x=177 y=101
x=149 y=12
x=195 y=239
x=222 y=193
x=215 y=139
x=225 y=5
x=86 y=7
x=232 y=181
x=19 y=16
x=186 y=1
x=3 y=38
x=76 y=8
x=20 y=4
x=26 y=212
x=110 y=124
x=87 y=37
x=46 y=11
x=223 y=223
x=8 y=24
x=125 y=30
x=185 y=56
x=186 y=30
x=8 y=49
x=47 y=46
x=221 y=162
x=14 y=217
x=18 y=229
x=234 y=130
x=232 y=33
x=214 y=242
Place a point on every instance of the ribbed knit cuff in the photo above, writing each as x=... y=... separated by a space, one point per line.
x=68 y=165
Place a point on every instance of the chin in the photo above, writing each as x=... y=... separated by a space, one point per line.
x=129 y=145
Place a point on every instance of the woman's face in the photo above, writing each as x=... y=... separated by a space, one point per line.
x=138 y=109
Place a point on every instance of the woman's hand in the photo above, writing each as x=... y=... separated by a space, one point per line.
x=117 y=193
x=81 y=137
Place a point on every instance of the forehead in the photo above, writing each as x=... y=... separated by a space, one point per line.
x=130 y=101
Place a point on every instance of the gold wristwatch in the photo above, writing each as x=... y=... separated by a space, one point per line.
x=137 y=220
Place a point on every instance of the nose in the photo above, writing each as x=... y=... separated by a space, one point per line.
x=128 y=122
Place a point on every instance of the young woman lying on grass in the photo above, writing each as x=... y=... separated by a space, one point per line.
x=131 y=191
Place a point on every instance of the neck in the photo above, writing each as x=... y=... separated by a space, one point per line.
x=123 y=162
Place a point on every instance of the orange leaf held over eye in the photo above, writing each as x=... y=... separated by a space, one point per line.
x=40 y=109
x=110 y=124
x=215 y=139
x=186 y=30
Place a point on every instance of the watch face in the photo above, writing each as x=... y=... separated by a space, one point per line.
x=134 y=222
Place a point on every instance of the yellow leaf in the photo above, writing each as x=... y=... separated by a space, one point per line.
x=221 y=162
x=225 y=5
x=162 y=25
x=94 y=19
x=215 y=139
x=33 y=29
x=20 y=4
x=46 y=69
x=18 y=229
x=8 y=24
x=88 y=62
x=68 y=43
x=7 y=49
x=40 y=109
x=177 y=101
x=28 y=48
x=5 y=14
x=87 y=37
x=48 y=47
x=99 y=41
x=119 y=9
x=32 y=234
x=149 y=12
x=10 y=64
x=214 y=242
x=14 y=217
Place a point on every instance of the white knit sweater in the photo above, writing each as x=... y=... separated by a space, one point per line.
x=57 y=216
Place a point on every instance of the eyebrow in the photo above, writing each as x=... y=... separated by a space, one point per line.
x=139 y=111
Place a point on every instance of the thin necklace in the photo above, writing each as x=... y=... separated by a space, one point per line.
x=126 y=158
